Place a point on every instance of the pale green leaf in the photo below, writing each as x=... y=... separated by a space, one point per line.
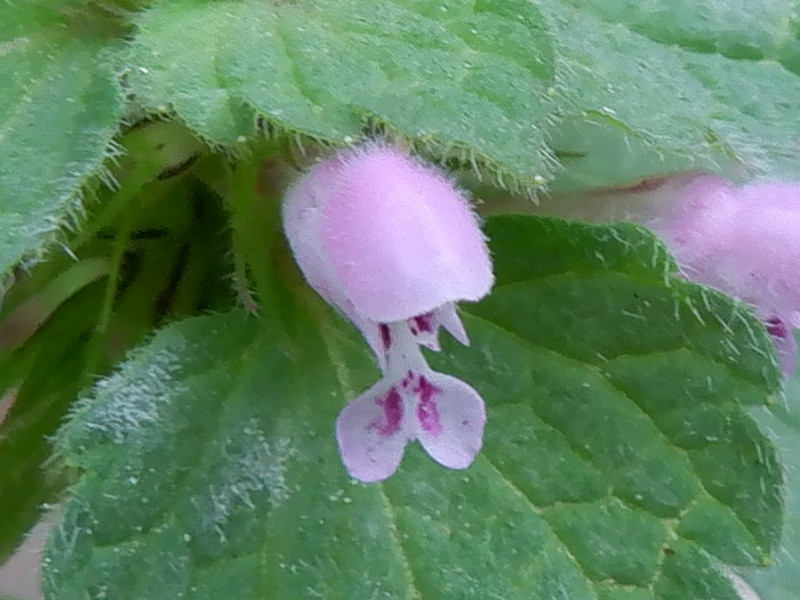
x=615 y=92
x=782 y=580
x=656 y=86
x=750 y=31
x=59 y=108
x=460 y=77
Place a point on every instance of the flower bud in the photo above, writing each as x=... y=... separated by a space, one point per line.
x=744 y=241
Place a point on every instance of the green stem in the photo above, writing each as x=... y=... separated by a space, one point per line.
x=254 y=201
x=94 y=351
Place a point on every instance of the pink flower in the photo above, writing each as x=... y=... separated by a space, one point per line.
x=744 y=241
x=393 y=245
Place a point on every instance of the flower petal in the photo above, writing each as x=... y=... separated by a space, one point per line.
x=302 y=213
x=386 y=239
x=399 y=238
x=449 y=417
x=449 y=319
x=372 y=432
x=425 y=329
x=760 y=263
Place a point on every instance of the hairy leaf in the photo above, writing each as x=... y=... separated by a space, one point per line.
x=650 y=87
x=59 y=108
x=614 y=92
x=152 y=247
x=782 y=580
x=468 y=78
x=618 y=461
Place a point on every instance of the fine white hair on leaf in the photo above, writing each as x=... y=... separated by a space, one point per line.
x=252 y=465
x=133 y=397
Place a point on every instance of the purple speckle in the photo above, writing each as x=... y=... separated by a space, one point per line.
x=392 y=405
x=386 y=335
x=423 y=323
x=427 y=411
x=777 y=328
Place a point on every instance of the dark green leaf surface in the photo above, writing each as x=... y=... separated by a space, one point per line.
x=59 y=108
x=618 y=461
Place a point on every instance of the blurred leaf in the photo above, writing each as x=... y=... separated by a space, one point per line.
x=710 y=27
x=653 y=87
x=149 y=250
x=46 y=377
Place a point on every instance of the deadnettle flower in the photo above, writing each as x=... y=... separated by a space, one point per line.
x=742 y=240
x=392 y=244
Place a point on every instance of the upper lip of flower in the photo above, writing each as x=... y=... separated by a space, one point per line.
x=392 y=249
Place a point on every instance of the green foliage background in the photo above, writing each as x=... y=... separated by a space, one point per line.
x=155 y=331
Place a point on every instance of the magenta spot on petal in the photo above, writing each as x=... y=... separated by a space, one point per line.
x=422 y=323
x=777 y=328
x=386 y=335
x=392 y=405
x=426 y=390
x=427 y=411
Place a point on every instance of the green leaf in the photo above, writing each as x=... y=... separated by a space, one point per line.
x=615 y=92
x=618 y=464
x=782 y=580
x=461 y=77
x=656 y=86
x=708 y=27
x=59 y=108
x=46 y=378
x=151 y=248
